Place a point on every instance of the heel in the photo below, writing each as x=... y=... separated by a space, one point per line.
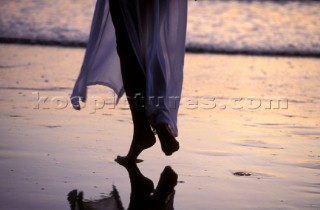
x=168 y=142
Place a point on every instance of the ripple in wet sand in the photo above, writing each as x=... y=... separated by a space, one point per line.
x=312 y=164
x=213 y=153
x=52 y=126
x=257 y=144
x=240 y=173
x=15 y=116
x=254 y=174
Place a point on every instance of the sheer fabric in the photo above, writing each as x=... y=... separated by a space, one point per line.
x=157 y=35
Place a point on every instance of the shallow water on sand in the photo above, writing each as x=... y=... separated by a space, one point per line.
x=237 y=151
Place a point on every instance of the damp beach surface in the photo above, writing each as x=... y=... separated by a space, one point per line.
x=248 y=130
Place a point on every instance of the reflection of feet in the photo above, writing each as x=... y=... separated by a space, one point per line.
x=141 y=188
x=168 y=142
x=137 y=146
x=164 y=194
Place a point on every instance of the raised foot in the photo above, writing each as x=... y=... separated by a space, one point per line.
x=168 y=142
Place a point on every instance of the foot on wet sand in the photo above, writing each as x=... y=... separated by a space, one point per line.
x=137 y=146
x=168 y=142
x=125 y=160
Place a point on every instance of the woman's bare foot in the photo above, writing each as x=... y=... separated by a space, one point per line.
x=168 y=142
x=139 y=143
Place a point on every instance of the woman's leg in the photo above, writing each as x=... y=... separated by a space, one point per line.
x=134 y=84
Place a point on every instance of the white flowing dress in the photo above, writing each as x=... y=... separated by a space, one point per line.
x=158 y=39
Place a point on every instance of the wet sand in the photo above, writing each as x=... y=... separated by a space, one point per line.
x=237 y=151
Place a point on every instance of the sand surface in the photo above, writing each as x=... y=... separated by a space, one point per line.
x=226 y=126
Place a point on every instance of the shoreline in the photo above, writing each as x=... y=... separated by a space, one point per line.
x=189 y=49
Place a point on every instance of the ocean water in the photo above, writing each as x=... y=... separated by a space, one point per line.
x=271 y=27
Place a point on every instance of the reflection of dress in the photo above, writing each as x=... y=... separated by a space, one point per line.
x=158 y=39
